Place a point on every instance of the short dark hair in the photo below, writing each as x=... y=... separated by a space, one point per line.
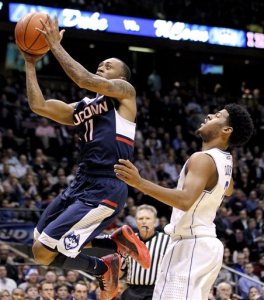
x=63 y=285
x=80 y=282
x=126 y=69
x=241 y=122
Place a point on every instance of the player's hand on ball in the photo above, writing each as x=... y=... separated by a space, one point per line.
x=127 y=172
x=30 y=57
x=51 y=31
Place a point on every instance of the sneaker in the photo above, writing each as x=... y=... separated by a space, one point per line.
x=129 y=244
x=108 y=282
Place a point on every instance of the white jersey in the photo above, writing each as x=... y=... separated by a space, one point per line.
x=199 y=219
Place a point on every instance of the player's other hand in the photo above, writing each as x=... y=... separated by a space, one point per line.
x=127 y=172
x=51 y=31
x=30 y=57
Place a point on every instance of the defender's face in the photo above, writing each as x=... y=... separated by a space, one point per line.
x=110 y=69
x=213 y=125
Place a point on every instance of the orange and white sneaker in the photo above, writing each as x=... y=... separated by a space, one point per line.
x=108 y=282
x=129 y=244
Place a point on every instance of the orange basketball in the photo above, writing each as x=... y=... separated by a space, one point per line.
x=27 y=37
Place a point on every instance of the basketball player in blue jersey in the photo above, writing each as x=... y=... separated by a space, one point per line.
x=194 y=257
x=106 y=126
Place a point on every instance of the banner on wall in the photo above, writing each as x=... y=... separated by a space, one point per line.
x=17 y=233
x=177 y=31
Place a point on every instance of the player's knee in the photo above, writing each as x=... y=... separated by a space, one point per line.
x=42 y=255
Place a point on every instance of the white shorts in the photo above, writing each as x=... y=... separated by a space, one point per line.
x=189 y=268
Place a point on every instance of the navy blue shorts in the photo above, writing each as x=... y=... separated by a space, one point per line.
x=80 y=213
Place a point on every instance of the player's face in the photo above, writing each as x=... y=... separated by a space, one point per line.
x=110 y=69
x=213 y=124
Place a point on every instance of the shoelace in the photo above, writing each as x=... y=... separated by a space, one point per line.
x=101 y=281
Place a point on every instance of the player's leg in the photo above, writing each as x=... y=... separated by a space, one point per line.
x=124 y=241
x=187 y=269
x=161 y=290
x=99 y=203
x=113 y=194
x=53 y=210
x=50 y=227
x=76 y=225
x=72 y=229
x=206 y=264
x=42 y=255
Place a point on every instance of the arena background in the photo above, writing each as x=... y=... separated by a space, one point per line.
x=238 y=78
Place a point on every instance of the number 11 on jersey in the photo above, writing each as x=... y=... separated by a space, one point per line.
x=88 y=136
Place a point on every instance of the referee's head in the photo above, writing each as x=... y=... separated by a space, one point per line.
x=146 y=217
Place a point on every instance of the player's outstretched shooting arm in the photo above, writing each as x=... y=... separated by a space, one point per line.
x=116 y=88
x=53 y=109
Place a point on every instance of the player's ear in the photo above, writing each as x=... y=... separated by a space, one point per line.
x=227 y=130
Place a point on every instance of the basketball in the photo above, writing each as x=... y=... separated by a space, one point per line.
x=27 y=37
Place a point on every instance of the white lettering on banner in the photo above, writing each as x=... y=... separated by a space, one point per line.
x=178 y=31
x=255 y=39
x=259 y=40
x=20 y=11
x=250 y=39
x=17 y=234
x=163 y=28
x=73 y=18
x=131 y=25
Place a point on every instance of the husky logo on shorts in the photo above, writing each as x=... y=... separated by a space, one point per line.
x=71 y=241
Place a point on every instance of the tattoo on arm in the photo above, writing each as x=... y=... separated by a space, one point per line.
x=115 y=88
x=35 y=97
x=121 y=88
x=71 y=67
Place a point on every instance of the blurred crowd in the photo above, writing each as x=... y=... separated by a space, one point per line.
x=39 y=158
x=25 y=281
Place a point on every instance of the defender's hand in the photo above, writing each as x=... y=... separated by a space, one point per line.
x=127 y=172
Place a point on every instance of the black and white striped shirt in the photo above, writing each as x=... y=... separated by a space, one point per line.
x=135 y=274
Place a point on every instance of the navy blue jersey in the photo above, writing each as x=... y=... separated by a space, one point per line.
x=105 y=136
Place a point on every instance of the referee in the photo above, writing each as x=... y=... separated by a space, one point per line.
x=141 y=281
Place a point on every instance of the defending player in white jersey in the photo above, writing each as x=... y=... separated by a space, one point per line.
x=194 y=256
